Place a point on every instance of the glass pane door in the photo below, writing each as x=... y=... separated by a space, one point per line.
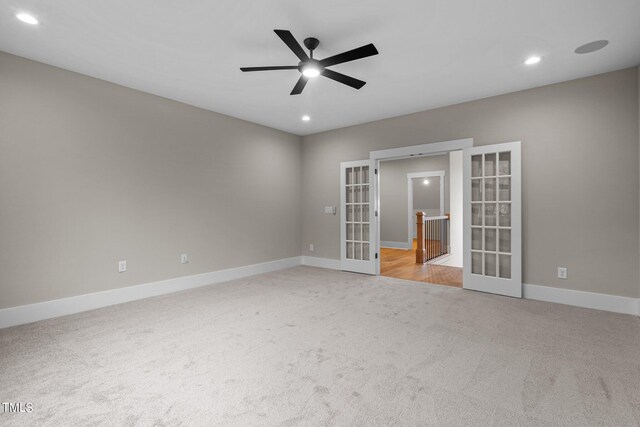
x=357 y=206
x=357 y=249
x=492 y=233
x=491 y=224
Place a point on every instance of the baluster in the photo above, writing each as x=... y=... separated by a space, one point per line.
x=439 y=243
x=430 y=239
x=426 y=240
x=425 y=236
x=442 y=234
x=434 y=239
x=442 y=237
x=439 y=237
x=446 y=243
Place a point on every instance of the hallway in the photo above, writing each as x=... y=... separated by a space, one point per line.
x=401 y=264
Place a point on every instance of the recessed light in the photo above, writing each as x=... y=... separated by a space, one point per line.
x=425 y=182
x=591 y=46
x=306 y=118
x=532 y=60
x=26 y=18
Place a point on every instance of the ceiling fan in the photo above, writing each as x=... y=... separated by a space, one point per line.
x=310 y=67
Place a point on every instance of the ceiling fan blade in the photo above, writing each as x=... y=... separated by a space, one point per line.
x=351 y=55
x=283 y=67
x=290 y=41
x=342 y=78
x=297 y=89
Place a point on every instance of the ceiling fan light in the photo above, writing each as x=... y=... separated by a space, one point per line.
x=310 y=71
x=27 y=18
x=533 y=60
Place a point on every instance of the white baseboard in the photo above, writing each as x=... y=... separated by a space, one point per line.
x=311 y=261
x=60 y=307
x=614 y=303
x=45 y=310
x=395 y=245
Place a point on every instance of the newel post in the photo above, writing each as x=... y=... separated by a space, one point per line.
x=420 y=249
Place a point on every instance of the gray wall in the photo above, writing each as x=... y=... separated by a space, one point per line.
x=427 y=197
x=393 y=192
x=579 y=165
x=91 y=173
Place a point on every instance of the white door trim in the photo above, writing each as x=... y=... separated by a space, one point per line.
x=401 y=153
x=422 y=149
x=411 y=220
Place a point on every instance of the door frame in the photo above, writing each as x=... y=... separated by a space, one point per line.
x=377 y=156
x=410 y=219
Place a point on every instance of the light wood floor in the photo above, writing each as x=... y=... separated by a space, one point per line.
x=401 y=264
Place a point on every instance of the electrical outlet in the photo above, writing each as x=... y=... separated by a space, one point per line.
x=562 y=272
x=122 y=266
x=184 y=259
x=311 y=248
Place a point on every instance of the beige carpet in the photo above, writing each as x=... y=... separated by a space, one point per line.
x=311 y=347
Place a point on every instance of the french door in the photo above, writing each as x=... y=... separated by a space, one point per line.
x=492 y=219
x=357 y=248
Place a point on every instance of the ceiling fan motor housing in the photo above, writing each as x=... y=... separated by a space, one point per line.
x=310 y=63
x=311 y=43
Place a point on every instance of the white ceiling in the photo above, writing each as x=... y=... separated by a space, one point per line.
x=432 y=52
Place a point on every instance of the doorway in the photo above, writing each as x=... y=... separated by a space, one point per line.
x=491 y=205
x=408 y=187
x=425 y=193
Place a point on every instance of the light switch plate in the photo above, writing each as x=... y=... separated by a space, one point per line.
x=329 y=210
x=562 y=272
